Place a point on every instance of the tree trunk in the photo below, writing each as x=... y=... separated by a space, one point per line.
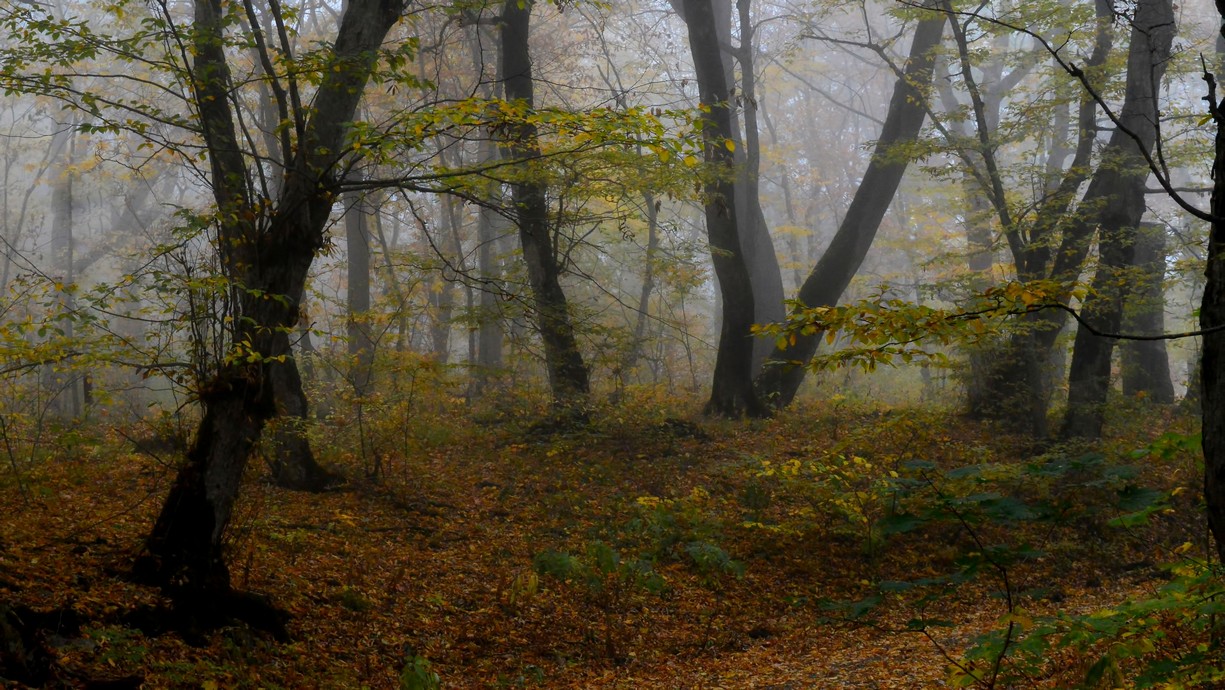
x=1212 y=321
x=1146 y=364
x=732 y=393
x=568 y=375
x=1022 y=373
x=1117 y=189
x=267 y=249
x=292 y=462
x=442 y=293
x=759 y=252
x=357 y=296
x=784 y=371
x=64 y=385
x=755 y=241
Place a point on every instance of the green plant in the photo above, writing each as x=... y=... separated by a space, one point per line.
x=418 y=674
x=608 y=582
x=989 y=504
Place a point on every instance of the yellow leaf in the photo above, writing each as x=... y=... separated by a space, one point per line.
x=691 y=160
x=731 y=145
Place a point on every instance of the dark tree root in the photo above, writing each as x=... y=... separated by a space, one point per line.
x=195 y=611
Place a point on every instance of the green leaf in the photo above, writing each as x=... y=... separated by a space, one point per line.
x=900 y=523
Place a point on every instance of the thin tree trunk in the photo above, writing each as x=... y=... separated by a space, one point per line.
x=488 y=228
x=568 y=375
x=732 y=393
x=357 y=296
x=784 y=371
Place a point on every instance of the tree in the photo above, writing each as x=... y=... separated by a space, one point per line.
x=784 y=371
x=1145 y=363
x=568 y=374
x=732 y=393
x=267 y=246
x=754 y=232
x=1117 y=195
x=1212 y=322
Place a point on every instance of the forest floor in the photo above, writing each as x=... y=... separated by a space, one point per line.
x=638 y=552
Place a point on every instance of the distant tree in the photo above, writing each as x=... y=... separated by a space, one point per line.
x=1145 y=363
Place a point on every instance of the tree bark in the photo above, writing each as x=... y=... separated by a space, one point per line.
x=784 y=371
x=568 y=375
x=1021 y=374
x=755 y=240
x=357 y=296
x=1117 y=190
x=267 y=246
x=732 y=393
x=488 y=228
x=1146 y=364
x=293 y=465
x=1212 y=321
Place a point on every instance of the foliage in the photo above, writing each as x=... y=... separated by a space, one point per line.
x=887 y=330
x=608 y=583
x=417 y=674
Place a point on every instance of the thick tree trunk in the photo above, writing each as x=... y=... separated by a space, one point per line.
x=568 y=375
x=785 y=369
x=1118 y=191
x=732 y=393
x=1146 y=364
x=759 y=252
x=1022 y=373
x=1212 y=363
x=293 y=464
x=187 y=539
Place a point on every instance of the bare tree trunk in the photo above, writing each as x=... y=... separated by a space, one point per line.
x=357 y=297
x=755 y=241
x=732 y=393
x=759 y=252
x=488 y=228
x=1212 y=321
x=1146 y=364
x=65 y=386
x=1118 y=190
x=568 y=375
x=442 y=294
x=785 y=369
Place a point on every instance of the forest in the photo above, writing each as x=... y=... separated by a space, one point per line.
x=783 y=344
